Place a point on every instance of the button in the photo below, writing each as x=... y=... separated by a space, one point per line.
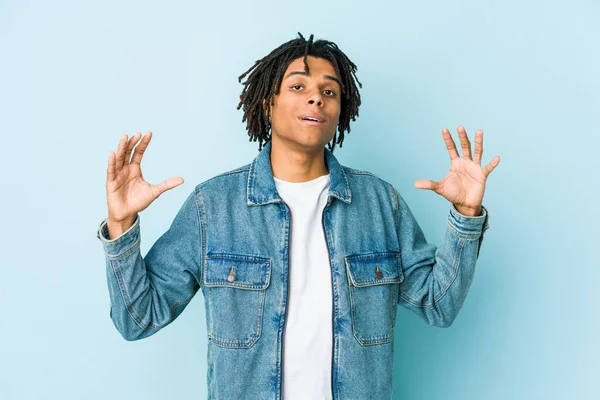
x=231 y=276
x=378 y=272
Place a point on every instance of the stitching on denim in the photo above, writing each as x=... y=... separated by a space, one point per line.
x=366 y=257
x=232 y=172
x=125 y=294
x=127 y=299
x=252 y=338
x=347 y=191
x=475 y=235
x=243 y=286
x=353 y=171
x=103 y=233
x=394 y=307
x=462 y=234
x=370 y=342
x=180 y=303
x=460 y=246
x=376 y=282
x=416 y=303
x=250 y=182
x=401 y=295
x=371 y=256
x=335 y=274
x=284 y=258
x=202 y=228
x=209 y=313
x=127 y=252
x=130 y=310
x=395 y=204
x=239 y=257
x=372 y=339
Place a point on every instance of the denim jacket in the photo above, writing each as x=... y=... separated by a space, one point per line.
x=231 y=240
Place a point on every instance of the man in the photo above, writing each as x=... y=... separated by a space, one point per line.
x=301 y=261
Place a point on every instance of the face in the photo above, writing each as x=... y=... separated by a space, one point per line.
x=304 y=97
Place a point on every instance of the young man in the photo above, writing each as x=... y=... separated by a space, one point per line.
x=301 y=261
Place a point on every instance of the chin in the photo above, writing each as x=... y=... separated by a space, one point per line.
x=311 y=142
x=309 y=139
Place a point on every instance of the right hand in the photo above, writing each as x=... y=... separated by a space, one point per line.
x=127 y=193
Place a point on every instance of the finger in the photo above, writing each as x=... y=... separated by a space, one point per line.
x=490 y=167
x=478 y=146
x=134 y=139
x=121 y=153
x=138 y=153
x=110 y=172
x=426 y=184
x=169 y=184
x=449 y=144
x=465 y=144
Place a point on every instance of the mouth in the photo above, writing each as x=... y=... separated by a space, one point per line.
x=311 y=119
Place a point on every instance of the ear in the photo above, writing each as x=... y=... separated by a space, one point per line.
x=265 y=108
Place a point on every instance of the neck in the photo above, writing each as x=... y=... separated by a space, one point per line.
x=297 y=165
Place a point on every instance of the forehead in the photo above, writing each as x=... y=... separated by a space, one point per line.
x=316 y=67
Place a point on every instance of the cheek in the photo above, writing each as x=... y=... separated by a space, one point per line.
x=284 y=113
x=336 y=119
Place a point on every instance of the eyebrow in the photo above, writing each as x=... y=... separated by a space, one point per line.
x=331 y=78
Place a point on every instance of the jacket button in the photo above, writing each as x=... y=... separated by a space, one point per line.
x=378 y=272
x=231 y=276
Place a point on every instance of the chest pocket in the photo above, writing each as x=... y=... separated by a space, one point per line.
x=235 y=298
x=374 y=281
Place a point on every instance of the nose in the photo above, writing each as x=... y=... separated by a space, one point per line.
x=315 y=97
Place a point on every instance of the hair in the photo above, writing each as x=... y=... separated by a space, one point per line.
x=267 y=73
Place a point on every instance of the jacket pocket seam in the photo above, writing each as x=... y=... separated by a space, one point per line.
x=218 y=341
x=355 y=289
x=373 y=340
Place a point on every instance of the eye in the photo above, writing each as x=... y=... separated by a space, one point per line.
x=296 y=86
x=331 y=91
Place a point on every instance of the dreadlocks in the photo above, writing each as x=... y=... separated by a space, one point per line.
x=263 y=84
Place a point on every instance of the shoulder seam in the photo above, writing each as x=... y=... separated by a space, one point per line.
x=232 y=172
x=353 y=171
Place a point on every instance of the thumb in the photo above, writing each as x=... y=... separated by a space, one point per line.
x=426 y=184
x=169 y=184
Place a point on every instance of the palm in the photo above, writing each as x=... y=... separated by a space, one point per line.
x=130 y=192
x=464 y=185
x=127 y=192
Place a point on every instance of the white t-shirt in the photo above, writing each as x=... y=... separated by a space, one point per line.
x=308 y=334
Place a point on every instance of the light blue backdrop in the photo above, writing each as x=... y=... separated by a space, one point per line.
x=74 y=76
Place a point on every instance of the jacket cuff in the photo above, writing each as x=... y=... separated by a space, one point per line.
x=122 y=244
x=466 y=226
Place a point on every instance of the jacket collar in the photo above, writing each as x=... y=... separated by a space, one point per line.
x=261 y=185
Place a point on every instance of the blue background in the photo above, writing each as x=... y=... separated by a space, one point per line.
x=75 y=76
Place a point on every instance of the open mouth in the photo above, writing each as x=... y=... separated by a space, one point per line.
x=311 y=120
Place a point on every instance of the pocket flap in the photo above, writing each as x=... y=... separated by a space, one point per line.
x=247 y=272
x=374 y=269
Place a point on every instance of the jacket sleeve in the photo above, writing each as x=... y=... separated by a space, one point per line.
x=437 y=279
x=148 y=293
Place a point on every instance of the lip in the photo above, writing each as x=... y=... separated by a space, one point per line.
x=312 y=115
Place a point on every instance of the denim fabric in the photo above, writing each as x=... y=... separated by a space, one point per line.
x=231 y=240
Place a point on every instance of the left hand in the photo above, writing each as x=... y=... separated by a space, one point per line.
x=465 y=183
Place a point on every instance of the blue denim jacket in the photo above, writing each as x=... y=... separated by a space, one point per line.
x=231 y=240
